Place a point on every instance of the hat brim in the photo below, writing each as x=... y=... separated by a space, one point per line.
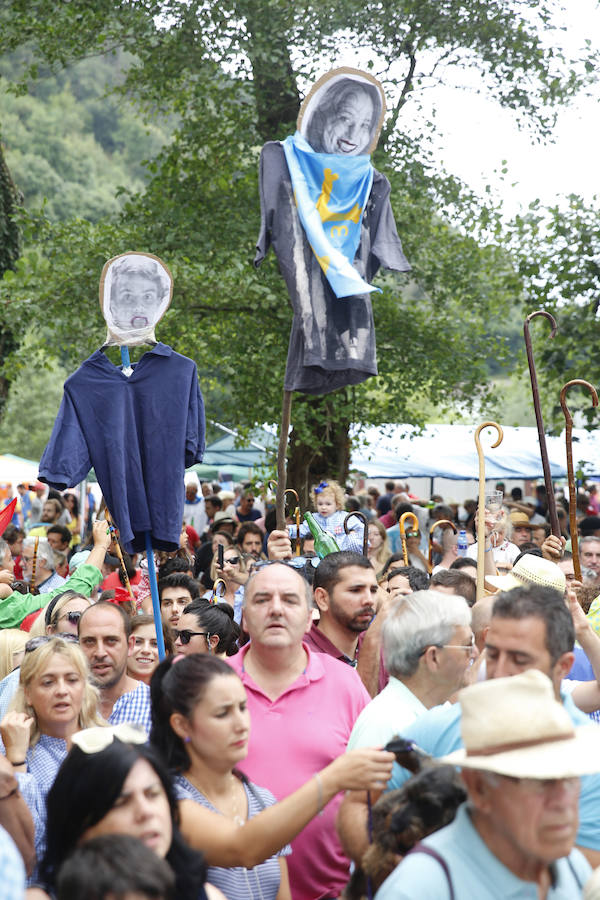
x=569 y=758
x=504 y=582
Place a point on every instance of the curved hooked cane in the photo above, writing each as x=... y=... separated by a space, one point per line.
x=481 y=501
x=431 y=530
x=365 y=521
x=403 y=518
x=216 y=583
x=554 y=525
x=570 y=472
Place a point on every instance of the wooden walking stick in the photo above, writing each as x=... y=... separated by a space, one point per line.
x=34 y=564
x=403 y=518
x=113 y=534
x=554 y=525
x=481 y=502
x=570 y=472
x=296 y=516
x=365 y=521
x=431 y=530
x=286 y=413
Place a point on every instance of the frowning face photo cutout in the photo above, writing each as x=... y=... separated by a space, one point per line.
x=135 y=293
x=343 y=113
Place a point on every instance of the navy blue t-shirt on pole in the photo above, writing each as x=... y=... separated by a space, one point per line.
x=139 y=433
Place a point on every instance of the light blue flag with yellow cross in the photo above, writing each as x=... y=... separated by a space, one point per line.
x=331 y=192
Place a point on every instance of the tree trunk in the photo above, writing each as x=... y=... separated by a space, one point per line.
x=319 y=447
x=10 y=246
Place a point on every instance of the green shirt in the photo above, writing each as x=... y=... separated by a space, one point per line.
x=16 y=606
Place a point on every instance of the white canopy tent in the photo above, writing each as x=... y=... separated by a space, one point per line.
x=449 y=451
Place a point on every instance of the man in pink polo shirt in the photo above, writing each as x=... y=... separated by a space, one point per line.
x=302 y=706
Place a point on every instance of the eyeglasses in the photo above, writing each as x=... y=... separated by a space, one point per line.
x=186 y=635
x=412 y=534
x=459 y=646
x=232 y=561
x=470 y=647
x=33 y=643
x=93 y=740
x=72 y=617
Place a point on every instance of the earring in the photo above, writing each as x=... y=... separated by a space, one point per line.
x=187 y=739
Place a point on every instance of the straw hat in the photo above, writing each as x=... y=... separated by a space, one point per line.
x=520 y=520
x=515 y=726
x=530 y=570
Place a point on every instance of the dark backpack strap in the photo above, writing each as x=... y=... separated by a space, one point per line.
x=423 y=848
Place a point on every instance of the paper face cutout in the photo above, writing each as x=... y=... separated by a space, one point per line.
x=343 y=113
x=135 y=293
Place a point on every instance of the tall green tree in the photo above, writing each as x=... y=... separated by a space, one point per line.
x=233 y=72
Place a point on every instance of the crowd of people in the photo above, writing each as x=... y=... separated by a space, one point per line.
x=340 y=727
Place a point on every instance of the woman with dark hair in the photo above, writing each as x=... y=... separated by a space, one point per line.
x=117 y=785
x=345 y=117
x=206 y=627
x=200 y=725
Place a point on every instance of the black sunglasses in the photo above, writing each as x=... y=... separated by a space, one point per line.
x=72 y=617
x=33 y=643
x=185 y=635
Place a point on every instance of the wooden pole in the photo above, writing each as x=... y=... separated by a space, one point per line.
x=570 y=471
x=481 y=503
x=554 y=524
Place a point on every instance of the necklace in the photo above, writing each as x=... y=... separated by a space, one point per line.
x=231 y=803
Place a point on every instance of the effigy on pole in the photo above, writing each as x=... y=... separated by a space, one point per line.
x=570 y=470
x=554 y=525
x=481 y=502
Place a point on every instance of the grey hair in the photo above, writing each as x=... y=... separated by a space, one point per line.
x=417 y=621
x=44 y=551
x=589 y=539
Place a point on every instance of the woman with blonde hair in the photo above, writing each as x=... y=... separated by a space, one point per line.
x=55 y=700
x=60 y=615
x=12 y=645
x=379 y=546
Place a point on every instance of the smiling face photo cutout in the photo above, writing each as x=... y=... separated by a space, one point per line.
x=343 y=113
x=135 y=293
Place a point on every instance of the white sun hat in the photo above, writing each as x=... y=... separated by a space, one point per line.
x=516 y=727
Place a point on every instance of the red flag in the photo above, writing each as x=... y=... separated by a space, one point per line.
x=6 y=515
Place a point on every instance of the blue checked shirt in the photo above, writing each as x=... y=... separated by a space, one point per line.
x=134 y=706
x=12 y=868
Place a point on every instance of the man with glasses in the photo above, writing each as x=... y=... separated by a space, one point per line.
x=46 y=579
x=531 y=628
x=514 y=836
x=428 y=648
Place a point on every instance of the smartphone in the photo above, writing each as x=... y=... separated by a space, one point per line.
x=220 y=554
